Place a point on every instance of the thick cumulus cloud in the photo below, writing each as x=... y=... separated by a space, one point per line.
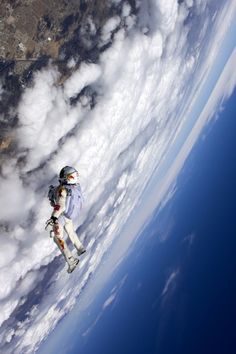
x=139 y=88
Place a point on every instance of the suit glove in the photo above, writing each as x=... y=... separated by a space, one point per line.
x=51 y=222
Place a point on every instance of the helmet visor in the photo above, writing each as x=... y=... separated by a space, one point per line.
x=72 y=178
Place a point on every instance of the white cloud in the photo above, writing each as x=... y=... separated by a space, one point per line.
x=159 y=14
x=189 y=3
x=109 y=301
x=86 y=75
x=223 y=89
x=139 y=83
x=13 y=195
x=109 y=27
x=71 y=63
x=170 y=283
x=126 y=9
x=1 y=90
x=189 y=239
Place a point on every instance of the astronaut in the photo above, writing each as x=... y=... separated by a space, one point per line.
x=67 y=201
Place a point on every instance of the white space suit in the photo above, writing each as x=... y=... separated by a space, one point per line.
x=67 y=202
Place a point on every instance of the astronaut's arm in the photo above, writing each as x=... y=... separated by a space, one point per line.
x=60 y=206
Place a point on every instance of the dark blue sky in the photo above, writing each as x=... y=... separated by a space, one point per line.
x=197 y=315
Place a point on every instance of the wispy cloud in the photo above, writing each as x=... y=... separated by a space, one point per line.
x=108 y=302
x=170 y=283
x=189 y=239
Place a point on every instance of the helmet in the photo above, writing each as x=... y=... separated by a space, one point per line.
x=69 y=175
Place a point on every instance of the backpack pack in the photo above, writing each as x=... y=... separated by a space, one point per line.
x=74 y=200
x=52 y=195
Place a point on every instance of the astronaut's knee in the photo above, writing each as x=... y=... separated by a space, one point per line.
x=59 y=242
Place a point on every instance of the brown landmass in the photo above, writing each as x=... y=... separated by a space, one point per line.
x=30 y=29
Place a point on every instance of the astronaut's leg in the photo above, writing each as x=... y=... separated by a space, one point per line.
x=61 y=244
x=69 y=227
